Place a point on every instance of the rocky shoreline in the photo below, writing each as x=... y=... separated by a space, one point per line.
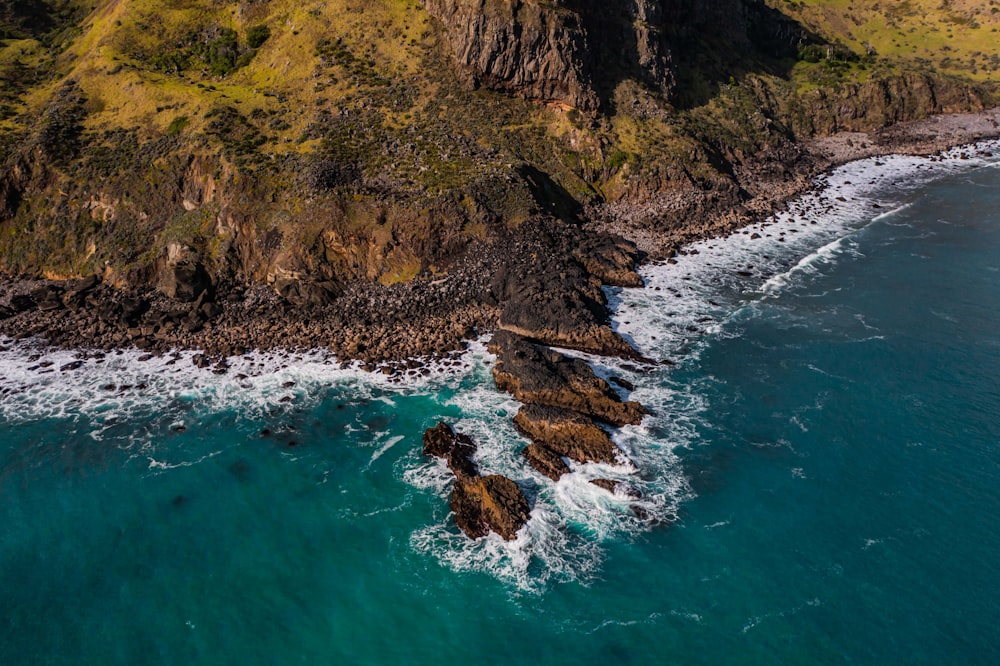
x=542 y=281
x=537 y=287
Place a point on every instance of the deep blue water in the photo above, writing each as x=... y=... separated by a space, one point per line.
x=825 y=457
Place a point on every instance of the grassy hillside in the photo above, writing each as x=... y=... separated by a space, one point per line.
x=957 y=37
x=335 y=137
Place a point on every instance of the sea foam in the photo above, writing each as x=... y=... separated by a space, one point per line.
x=683 y=305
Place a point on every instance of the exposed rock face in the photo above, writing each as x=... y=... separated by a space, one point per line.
x=568 y=433
x=487 y=503
x=480 y=503
x=885 y=101
x=547 y=51
x=551 y=293
x=541 y=376
x=182 y=276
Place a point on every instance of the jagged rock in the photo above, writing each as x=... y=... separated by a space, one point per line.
x=76 y=291
x=21 y=303
x=457 y=449
x=493 y=502
x=181 y=274
x=568 y=433
x=307 y=293
x=624 y=383
x=546 y=461
x=480 y=504
x=551 y=293
x=612 y=259
x=47 y=296
x=541 y=376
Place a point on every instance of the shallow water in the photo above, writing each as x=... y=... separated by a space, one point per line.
x=823 y=469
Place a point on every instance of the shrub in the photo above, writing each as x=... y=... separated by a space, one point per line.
x=257 y=35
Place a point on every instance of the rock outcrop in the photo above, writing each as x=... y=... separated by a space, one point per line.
x=489 y=503
x=480 y=503
x=541 y=376
x=551 y=292
x=545 y=460
x=563 y=51
x=568 y=433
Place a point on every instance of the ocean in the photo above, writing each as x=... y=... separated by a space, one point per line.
x=820 y=478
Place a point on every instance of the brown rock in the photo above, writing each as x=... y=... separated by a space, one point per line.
x=457 y=449
x=541 y=376
x=568 y=433
x=487 y=503
x=546 y=461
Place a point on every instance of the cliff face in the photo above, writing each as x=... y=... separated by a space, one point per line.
x=563 y=51
x=574 y=53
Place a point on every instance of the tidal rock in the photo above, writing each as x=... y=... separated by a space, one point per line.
x=558 y=303
x=612 y=259
x=546 y=461
x=568 y=433
x=493 y=502
x=618 y=488
x=541 y=376
x=457 y=449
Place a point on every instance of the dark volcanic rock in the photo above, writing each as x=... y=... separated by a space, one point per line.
x=541 y=376
x=545 y=460
x=557 y=303
x=457 y=449
x=184 y=281
x=612 y=259
x=568 y=433
x=308 y=293
x=617 y=488
x=22 y=302
x=487 y=503
x=480 y=503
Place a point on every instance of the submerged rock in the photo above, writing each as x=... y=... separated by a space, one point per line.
x=618 y=488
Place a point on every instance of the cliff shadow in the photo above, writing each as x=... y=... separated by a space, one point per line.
x=693 y=49
x=551 y=197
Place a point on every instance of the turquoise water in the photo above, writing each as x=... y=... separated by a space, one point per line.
x=824 y=464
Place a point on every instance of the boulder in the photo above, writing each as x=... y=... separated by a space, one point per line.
x=540 y=376
x=546 y=461
x=184 y=281
x=76 y=291
x=493 y=502
x=21 y=303
x=568 y=433
x=457 y=449
x=47 y=296
x=617 y=488
x=308 y=293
